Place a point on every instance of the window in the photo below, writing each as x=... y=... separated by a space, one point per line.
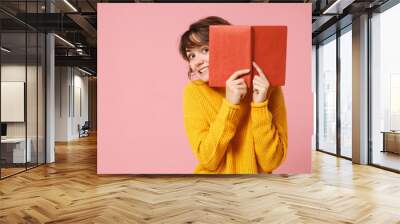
x=22 y=66
x=327 y=95
x=346 y=75
x=385 y=89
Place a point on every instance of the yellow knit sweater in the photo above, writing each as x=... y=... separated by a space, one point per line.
x=247 y=138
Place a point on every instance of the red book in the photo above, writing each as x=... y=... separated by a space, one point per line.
x=235 y=47
x=230 y=50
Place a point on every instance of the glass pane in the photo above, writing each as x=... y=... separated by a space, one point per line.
x=346 y=94
x=32 y=95
x=22 y=84
x=13 y=86
x=31 y=84
x=386 y=89
x=41 y=98
x=327 y=96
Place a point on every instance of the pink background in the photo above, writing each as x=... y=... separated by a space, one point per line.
x=141 y=77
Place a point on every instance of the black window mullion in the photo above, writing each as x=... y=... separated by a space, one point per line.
x=26 y=86
x=45 y=93
x=369 y=90
x=37 y=90
x=338 y=73
x=316 y=96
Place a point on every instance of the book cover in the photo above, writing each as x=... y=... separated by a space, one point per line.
x=230 y=50
x=235 y=47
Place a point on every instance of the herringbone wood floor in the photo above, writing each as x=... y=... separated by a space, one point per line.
x=69 y=191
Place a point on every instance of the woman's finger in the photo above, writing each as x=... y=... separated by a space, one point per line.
x=241 y=83
x=237 y=74
x=260 y=71
x=241 y=88
x=258 y=79
x=242 y=91
x=237 y=81
x=261 y=83
x=261 y=80
x=258 y=87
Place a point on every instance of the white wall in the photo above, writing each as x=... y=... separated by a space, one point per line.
x=71 y=93
x=81 y=103
x=34 y=125
x=62 y=81
x=12 y=73
x=15 y=72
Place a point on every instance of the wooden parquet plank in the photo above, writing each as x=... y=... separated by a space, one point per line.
x=70 y=191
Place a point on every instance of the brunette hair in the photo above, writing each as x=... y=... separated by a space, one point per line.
x=197 y=34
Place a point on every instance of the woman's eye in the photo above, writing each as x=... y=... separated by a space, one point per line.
x=205 y=50
x=191 y=56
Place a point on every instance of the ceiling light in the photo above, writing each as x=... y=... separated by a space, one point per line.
x=70 y=5
x=84 y=71
x=5 y=50
x=337 y=7
x=64 y=40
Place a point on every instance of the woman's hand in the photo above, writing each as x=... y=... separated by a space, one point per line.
x=236 y=87
x=260 y=85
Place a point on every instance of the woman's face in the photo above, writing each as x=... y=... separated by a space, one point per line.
x=198 y=61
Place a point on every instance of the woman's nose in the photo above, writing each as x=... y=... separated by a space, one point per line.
x=200 y=62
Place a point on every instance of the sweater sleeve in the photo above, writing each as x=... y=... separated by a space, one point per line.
x=269 y=127
x=209 y=140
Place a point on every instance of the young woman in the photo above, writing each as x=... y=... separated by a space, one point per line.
x=233 y=129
